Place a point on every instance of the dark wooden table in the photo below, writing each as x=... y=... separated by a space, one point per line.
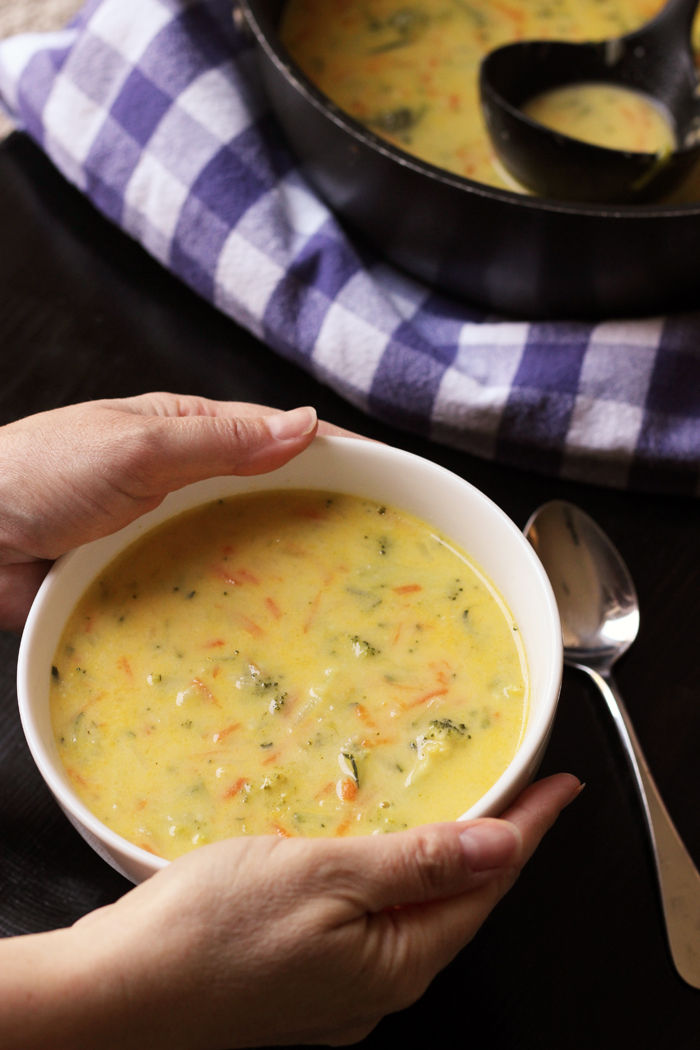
x=575 y=957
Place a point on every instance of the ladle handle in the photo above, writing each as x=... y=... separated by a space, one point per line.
x=674 y=20
x=679 y=881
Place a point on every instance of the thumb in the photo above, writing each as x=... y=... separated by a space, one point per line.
x=425 y=864
x=190 y=448
x=442 y=861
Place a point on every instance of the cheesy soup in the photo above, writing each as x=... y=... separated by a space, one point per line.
x=291 y=662
x=605 y=115
x=409 y=70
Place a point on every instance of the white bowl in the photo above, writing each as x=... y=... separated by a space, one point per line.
x=359 y=468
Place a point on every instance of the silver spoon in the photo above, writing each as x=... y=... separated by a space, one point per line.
x=599 y=612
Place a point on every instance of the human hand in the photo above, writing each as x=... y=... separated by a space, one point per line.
x=78 y=473
x=266 y=941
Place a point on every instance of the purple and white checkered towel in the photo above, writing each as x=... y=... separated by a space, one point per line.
x=154 y=109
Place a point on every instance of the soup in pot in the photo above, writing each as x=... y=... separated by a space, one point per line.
x=409 y=71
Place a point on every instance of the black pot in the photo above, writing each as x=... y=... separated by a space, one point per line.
x=526 y=256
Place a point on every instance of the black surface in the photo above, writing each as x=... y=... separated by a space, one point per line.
x=503 y=251
x=574 y=958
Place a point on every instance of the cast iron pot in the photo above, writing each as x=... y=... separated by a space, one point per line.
x=524 y=256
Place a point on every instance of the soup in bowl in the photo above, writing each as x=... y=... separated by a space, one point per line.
x=355 y=643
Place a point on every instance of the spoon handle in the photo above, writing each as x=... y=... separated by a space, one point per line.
x=679 y=881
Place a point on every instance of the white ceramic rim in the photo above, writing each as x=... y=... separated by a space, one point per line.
x=366 y=455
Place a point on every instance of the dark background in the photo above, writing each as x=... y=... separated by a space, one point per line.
x=575 y=957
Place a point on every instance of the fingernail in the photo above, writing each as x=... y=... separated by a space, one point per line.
x=295 y=424
x=575 y=795
x=490 y=844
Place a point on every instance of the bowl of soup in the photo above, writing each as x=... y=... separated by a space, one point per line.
x=380 y=103
x=356 y=643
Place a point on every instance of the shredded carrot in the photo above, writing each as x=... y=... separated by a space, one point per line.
x=148 y=849
x=270 y=758
x=442 y=676
x=250 y=626
x=343 y=827
x=142 y=804
x=282 y=832
x=314 y=609
x=325 y=790
x=246 y=576
x=95 y=700
x=510 y=12
x=216 y=644
x=206 y=691
x=347 y=789
x=294 y=548
x=124 y=664
x=364 y=716
x=222 y=734
x=423 y=699
x=74 y=775
x=236 y=577
x=216 y=672
x=274 y=608
x=236 y=788
x=408 y=588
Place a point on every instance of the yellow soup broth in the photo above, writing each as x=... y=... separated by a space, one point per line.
x=291 y=663
x=604 y=115
x=409 y=71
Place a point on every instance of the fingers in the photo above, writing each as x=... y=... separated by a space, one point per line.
x=433 y=862
x=534 y=812
x=436 y=932
x=370 y=874
x=164 y=404
x=168 y=453
x=18 y=586
x=187 y=439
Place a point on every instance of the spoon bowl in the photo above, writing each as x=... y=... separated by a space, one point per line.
x=595 y=593
x=655 y=61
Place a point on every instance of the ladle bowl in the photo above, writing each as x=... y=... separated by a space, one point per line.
x=656 y=61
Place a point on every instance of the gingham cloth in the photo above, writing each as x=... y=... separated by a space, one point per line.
x=154 y=109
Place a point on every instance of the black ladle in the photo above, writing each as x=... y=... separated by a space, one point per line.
x=656 y=60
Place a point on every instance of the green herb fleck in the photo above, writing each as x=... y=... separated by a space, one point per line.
x=445 y=727
x=363 y=648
